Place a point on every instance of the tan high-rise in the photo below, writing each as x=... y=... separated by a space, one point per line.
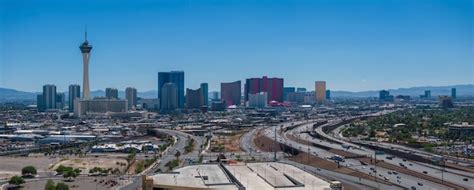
x=85 y=49
x=320 y=88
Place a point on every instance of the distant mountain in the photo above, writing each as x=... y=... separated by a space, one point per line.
x=462 y=90
x=13 y=95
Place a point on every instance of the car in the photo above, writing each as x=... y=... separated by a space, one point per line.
x=410 y=164
x=398 y=177
x=363 y=167
x=425 y=172
x=413 y=188
x=465 y=179
x=404 y=160
x=385 y=178
x=394 y=173
x=420 y=184
x=389 y=173
x=380 y=175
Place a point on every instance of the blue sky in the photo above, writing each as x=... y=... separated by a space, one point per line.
x=352 y=44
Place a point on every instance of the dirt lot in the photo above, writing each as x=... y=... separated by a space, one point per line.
x=226 y=143
x=12 y=165
x=80 y=183
x=87 y=163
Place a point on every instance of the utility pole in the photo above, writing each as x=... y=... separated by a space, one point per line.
x=274 y=147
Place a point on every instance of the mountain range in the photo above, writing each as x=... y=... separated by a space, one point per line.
x=7 y=94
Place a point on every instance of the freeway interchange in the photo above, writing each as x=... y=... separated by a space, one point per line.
x=387 y=172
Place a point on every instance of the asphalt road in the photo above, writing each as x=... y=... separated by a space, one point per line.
x=405 y=180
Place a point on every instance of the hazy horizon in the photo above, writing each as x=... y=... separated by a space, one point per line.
x=353 y=45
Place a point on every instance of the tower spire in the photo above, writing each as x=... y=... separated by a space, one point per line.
x=85 y=33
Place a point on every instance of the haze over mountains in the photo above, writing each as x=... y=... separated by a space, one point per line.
x=7 y=94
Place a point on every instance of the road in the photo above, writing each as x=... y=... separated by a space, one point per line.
x=405 y=180
x=451 y=175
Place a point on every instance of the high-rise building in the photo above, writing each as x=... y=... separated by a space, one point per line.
x=131 y=96
x=273 y=87
x=320 y=88
x=74 y=93
x=214 y=95
x=205 y=94
x=445 y=102
x=453 y=93
x=286 y=91
x=384 y=95
x=194 y=98
x=300 y=89
x=111 y=93
x=328 y=94
x=40 y=103
x=169 y=96
x=49 y=96
x=176 y=77
x=427 y=94
x=84 y=107
x=231 y=93
x=60 y=101
x=258 y=100
x=85 y=50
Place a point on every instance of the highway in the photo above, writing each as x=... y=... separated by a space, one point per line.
x=405 y=180
x=451 y=175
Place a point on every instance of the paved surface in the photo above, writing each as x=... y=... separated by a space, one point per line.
x=406 y=181
x=450 y=175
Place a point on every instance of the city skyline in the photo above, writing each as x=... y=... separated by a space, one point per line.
x=370 y=56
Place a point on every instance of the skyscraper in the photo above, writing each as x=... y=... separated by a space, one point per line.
x=169 y=96
x=131 y=96
x=258 y=100
x=328 y=94
x=60 y=101
x=49 y=96
x=40 y=103
x=205 y=94
x=176 y=77
x=111 y=93
x=320 y=88
x=231 y=93
x=194 y=98
x=427 y=94
x=85 y=50
x=74 y=92
x=453 y=93
x=273 y=87
x=384 y=95
x=286 y=91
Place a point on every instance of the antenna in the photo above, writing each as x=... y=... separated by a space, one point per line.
x=85 y=33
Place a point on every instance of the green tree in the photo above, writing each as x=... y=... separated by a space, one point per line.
x=28 y=171
x=16 y=180
x=60 y=169
x=50 y=185
x=62 y=186
x=70 y=174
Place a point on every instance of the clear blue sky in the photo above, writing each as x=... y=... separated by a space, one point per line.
x=352 y=44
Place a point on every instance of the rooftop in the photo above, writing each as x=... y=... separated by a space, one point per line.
x=261 y=176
